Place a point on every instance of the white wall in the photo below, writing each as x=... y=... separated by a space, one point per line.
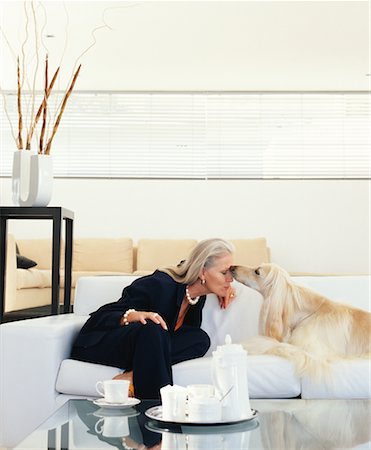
x=197 y=45
x=316 y=226
x=311 y=226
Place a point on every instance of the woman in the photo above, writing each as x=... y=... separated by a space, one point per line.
x=156 y=322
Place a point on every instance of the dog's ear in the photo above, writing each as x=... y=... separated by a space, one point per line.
x=265 y=272
x=278 y=305
x=274 y=328
x=259 y=271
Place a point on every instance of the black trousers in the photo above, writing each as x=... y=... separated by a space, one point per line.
x=148 y=350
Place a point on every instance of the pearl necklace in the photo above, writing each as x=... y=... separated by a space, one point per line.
x=191 y=301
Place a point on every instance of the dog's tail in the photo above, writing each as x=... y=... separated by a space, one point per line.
x=305 y=363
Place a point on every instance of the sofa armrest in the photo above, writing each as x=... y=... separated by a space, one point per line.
x=31 y=352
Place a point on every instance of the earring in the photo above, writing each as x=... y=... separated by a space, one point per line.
x=203 y=281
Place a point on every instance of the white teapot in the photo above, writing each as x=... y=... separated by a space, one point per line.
x=229 y=371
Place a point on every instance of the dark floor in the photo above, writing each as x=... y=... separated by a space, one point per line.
x=30 y=313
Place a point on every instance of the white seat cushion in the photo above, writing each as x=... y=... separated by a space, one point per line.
x=80 y=378
x=349 y=379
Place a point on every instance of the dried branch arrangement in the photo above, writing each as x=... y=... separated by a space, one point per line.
x=43 y=148
x=36 y=126
x=28 y=129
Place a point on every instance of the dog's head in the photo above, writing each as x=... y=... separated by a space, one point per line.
x=259 y=278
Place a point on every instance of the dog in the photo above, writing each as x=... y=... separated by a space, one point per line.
x=302 y=325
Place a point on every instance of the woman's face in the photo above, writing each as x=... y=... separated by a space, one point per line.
x=218 y=277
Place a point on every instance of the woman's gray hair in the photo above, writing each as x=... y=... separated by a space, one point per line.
x=202 y=256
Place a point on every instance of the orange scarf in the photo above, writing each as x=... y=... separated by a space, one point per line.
x=180 y=320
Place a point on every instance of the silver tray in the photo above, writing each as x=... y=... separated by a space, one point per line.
x=224 y=428
x=155 y=413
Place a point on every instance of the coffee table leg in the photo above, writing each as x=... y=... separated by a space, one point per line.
x=68 y=266
x=56 y=264
x=52 y=439
x=64 y=436
x=3 y=225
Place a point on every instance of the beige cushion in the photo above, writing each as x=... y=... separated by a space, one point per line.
x=95 y=254
x=34 y=278
x=250 y=252
x=142 y=273
x=155 y=253
x=103 y=254
x=40 y=251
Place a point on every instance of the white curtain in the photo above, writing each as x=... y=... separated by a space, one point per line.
x=205 y=135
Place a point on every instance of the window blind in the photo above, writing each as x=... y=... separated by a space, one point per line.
x=205 y=135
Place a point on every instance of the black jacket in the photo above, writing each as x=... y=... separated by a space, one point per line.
x=157 y=292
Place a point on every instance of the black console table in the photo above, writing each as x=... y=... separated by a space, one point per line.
x=56 y=214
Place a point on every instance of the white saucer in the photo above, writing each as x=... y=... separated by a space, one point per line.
x=104 y=412
x=128 y=404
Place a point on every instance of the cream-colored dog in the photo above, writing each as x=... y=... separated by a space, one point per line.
x=302 y=325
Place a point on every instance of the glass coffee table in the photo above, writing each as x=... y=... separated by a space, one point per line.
x=280 y=424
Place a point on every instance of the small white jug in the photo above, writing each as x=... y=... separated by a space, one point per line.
x=173 y=400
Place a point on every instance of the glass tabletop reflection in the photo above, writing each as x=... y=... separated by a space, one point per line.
x=280 y=424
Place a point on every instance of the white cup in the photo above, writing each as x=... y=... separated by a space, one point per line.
x=205 y=442
x=171 y=441
x=173 y=400
x=113 y=391
x=204 y=409
x=237 y=440
x=113 y=426
x=200 y=390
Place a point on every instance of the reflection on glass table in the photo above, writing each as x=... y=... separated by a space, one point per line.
x=280 y=424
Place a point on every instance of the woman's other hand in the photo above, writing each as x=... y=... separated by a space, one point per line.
x=225 y=301
x=143 y=316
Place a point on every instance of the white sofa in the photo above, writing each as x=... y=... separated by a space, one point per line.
x=35 y=369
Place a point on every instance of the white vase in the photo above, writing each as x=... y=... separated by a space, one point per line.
x=32 y=180
x=20 y=175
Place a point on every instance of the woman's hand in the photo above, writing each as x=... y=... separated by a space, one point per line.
x=143 y=316
x=224 y=302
